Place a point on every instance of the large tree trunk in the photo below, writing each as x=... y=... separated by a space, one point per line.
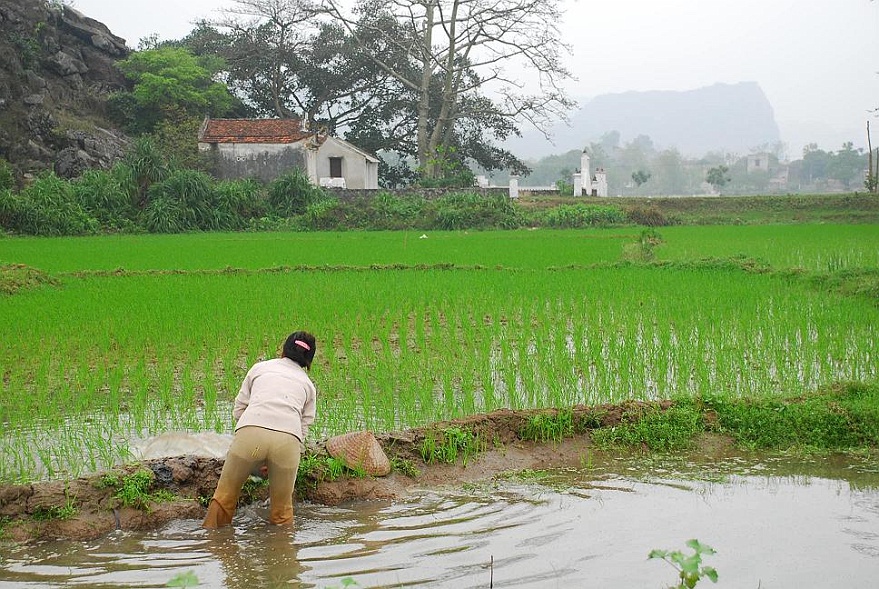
x=424 y=147
x=441 y=131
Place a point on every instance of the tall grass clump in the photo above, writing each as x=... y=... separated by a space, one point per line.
x=387 y=211
x=239 y=200
x=7 y=175
x=647 y=215
x=291 y=193
x=469 y=210
x=104 y=197
x=183 y=201
x=580 y=215
x=48 y=206
x=144 y=164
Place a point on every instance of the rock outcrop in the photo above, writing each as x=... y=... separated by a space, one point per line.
x=59 y=66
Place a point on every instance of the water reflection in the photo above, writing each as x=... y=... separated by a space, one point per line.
x=775 y=522
x=263 y=556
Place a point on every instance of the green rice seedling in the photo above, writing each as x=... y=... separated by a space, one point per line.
x=124 y=355
x=447 y=444
x=548 y=427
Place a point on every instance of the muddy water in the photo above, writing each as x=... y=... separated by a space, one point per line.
x=775 y=523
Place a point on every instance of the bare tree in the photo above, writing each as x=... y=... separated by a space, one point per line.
x=459 y=48
x=267 y=36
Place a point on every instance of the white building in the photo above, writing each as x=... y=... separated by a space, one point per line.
x=585 y=181
x=268 y=148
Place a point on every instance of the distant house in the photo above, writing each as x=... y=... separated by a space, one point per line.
x=268 y=148
x=758 y=162
x=769 y=164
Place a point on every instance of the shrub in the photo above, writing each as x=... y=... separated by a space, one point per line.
x=146 y=164
x=7 y=175
x=581 y=215
x=184 y=201
x=244 y=198
x=324 y=214
x=387 y=211
x=46 y=207
x=473 y=211
x=103 y=197
x=649 y=216
x=291 y=194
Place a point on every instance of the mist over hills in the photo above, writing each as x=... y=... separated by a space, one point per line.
x=733 y=118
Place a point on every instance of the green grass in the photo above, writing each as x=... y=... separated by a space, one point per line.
x=837 y=418
x=134 y=489
x=543 y=427
x=206 y=251
x=824 y=248
x=448 y=444
x=53 y=512
x=524 y=319
x=657 y=430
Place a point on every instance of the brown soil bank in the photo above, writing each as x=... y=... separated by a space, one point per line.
x=176 y=488
x=149 y=494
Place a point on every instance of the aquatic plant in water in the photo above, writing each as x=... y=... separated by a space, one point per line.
x=689 y=567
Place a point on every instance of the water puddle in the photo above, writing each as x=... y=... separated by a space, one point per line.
x=774 y=522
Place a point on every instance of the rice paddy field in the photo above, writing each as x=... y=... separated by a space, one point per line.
x=146 y=334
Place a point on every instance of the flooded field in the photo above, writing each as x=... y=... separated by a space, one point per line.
x=775 y=523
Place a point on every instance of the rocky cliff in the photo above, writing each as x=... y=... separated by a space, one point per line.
x=733 y=118
x=57 y=69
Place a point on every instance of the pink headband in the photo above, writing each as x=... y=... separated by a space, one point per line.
x=302 y=344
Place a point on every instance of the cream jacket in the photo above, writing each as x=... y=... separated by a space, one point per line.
x=278 y=395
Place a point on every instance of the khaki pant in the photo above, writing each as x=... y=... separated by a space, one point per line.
x=251 y=447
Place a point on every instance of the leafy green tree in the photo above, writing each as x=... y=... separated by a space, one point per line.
x=640 y=177
x=847 y=165
x=670 y=175
x=816 y=163
x=265 y=45
x=169 y=83
x=718 y=177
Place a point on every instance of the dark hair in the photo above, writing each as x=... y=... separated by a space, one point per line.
x=300 y=347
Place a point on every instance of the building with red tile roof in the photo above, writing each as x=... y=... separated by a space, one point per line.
x=267 y=148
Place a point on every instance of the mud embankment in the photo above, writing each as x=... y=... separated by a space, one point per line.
x=178 y=487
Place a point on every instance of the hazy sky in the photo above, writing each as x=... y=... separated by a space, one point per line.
x=816 y=60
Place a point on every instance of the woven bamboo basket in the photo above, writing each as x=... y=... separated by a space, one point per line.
x=360 y=450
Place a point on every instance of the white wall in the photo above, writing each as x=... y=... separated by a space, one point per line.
x=357 y=170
